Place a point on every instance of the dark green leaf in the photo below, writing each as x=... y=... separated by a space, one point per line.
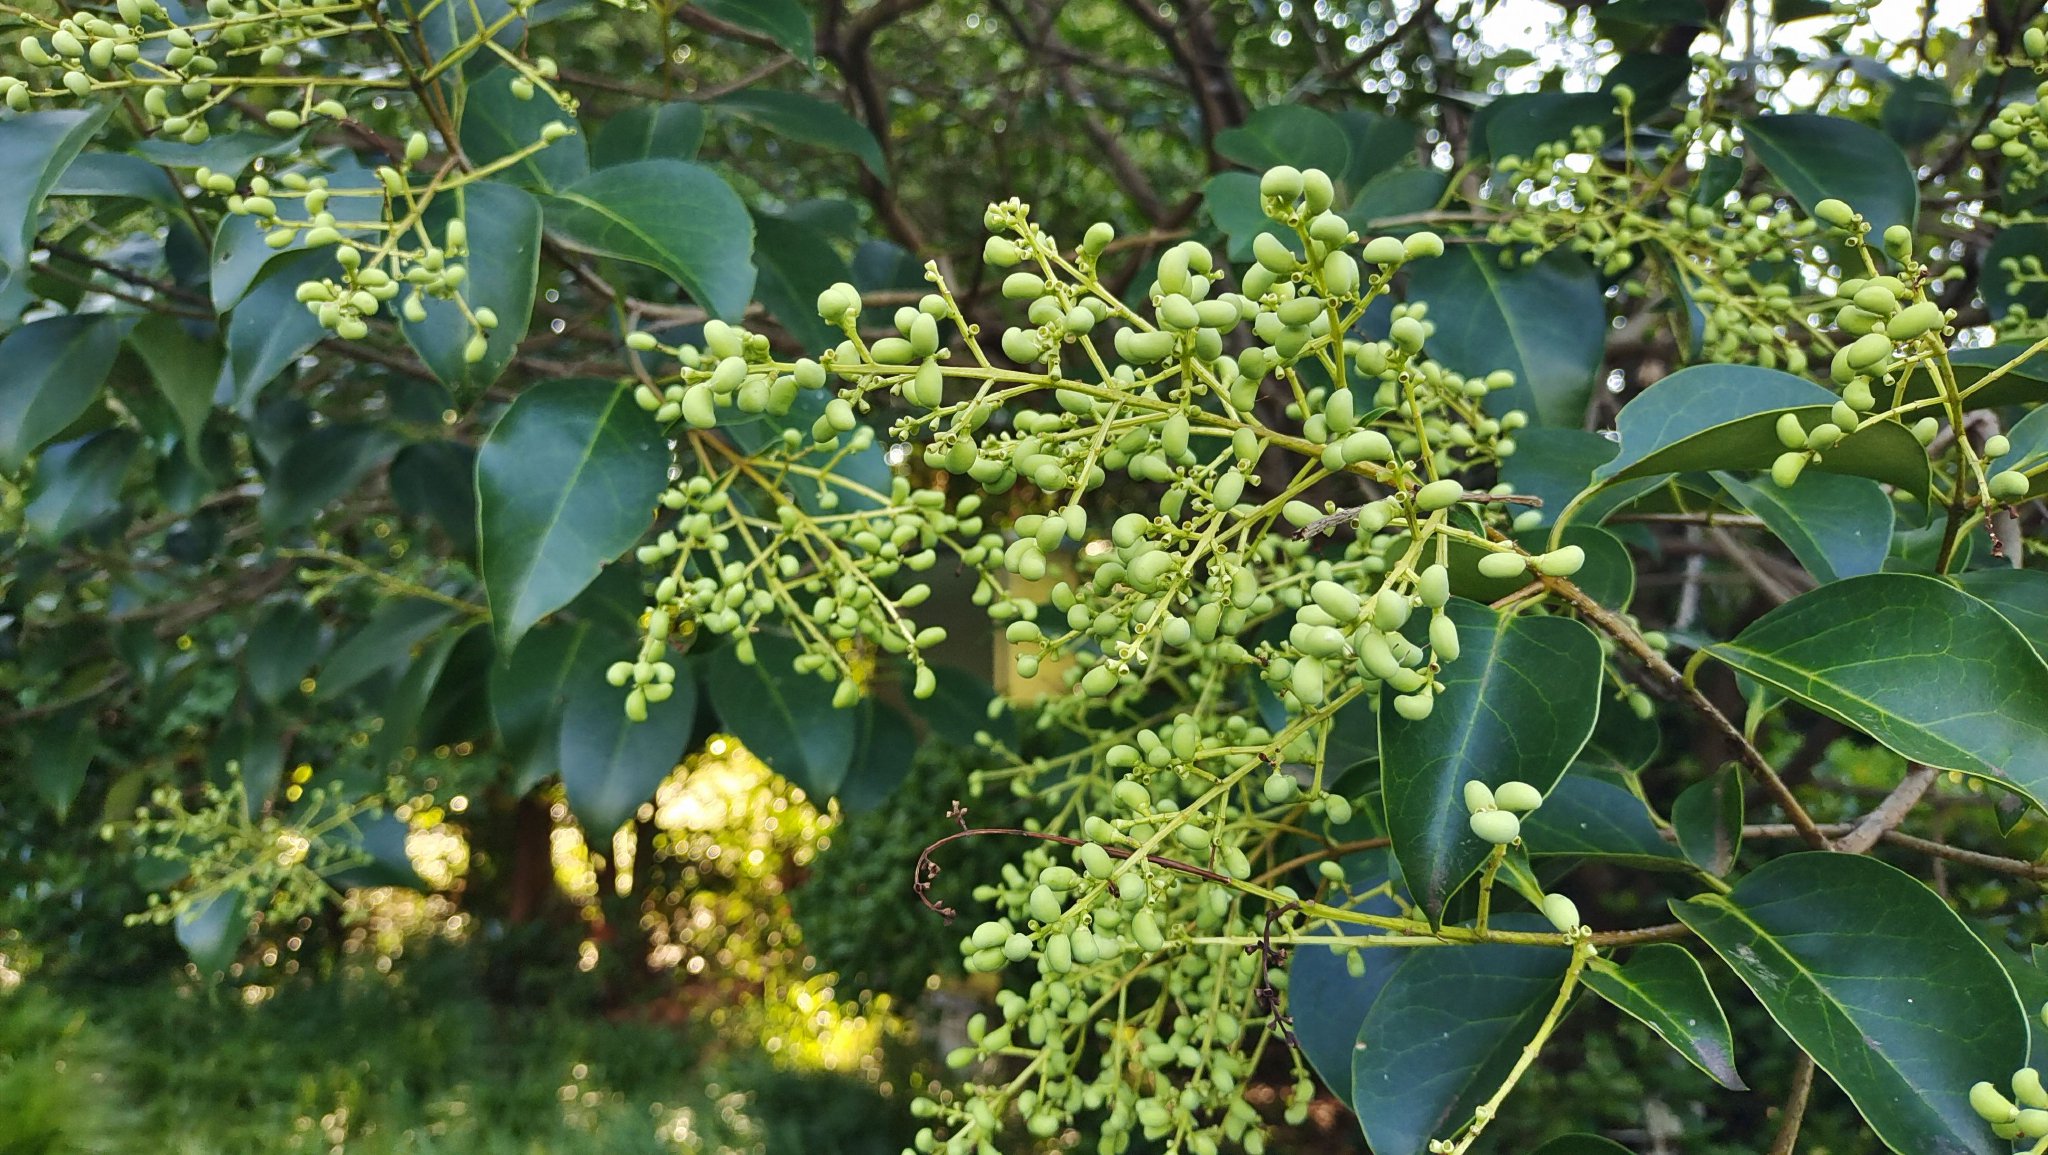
x=528 y=690
x=223 y=152
x=329 y=461
x=35 y=149
x=1877 y=978
x=54 y=371
x=784 y=21
x=2020 y=596
x=1664 y=987
x=672 y=131
x=211 y=930
x=1725 y=417
x=504 y=267
x=1378 y=143
x=1442 y=1036
x=959 y=707
x=884 y=746
x=384 y=641
x=1929 y=671
x=1329 y=1003
x=183 y=368
x=808 y=120
x=796 y=262
x=1517 y=705
x=113 y=174
x=270 y=329
x=281 y=650
x=1583 y=817
x=1398 y=192
x=1546 y=323
x=59 y=750
x=610 y=763
x=1289 y=134
x=1816 y=157
x=379 y=843
x=679 y=218
x=400 y=712
x=1917 y=110
x=1707 y=817
x=1837 y=526
x=565 y=483
x=1515 y=125
x=1609 y=574
x=1555 y=465
x=496 y=124
x=1232 y=201
x=787 y=719
x=78 y=483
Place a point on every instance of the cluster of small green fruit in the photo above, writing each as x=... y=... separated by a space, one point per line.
x=2017 y=132
x=1624 y=215
x=2025 y=1119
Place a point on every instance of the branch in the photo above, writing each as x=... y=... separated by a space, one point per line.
x=1795 y=1106
x=1887 y=814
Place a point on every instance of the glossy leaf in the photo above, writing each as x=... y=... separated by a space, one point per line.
x=786 y=22
x=1400 y=192
x=1878 y=979
x=2020 y=596
x=787 y=719
x=1546 y=323
x=1924 y=668
x=401 y=709
x=808 y=120
x=1725 y=417
x=1329 y=1004
x=673 y=131
x=1517 y=705
x=496 y=124
x=610 y=763
x=1918 y=109
x=281 y=650
x=437 y=479
x=1707 y=817
x=35 y=149
x=670 y=215
x=566 y=482
x=1837 y=526
x=1663 y=986
x=211 y=930
x=113 y=174
x=1584 y=817
x=528 y=690
x=384 y=641
x=1816 y=157
x=325 y=463
x=504 y=226
x=55 y=368
x=1289 y=134
x=795 y=263
x=1442 y=1035
x=183 y=368
x=269 y=330
x=78 y=483
x=1379 y=143
x=1555 y=466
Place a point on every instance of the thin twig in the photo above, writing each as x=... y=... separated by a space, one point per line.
x=1887 y=814
x=1795 y=1105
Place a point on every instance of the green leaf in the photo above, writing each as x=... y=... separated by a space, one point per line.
x=1663 y=986
x=114 y=174
x=211 y=930
x=228 y=152
x=437 y=479
x=1555 y=465
x=1584 y=817
x=784 y=21
x=1517 y=705
x=1442 y=1036
x=796 y=262
x=2014 y=246
x=1917 y=110
x=807 y=120
x=269 y=330
x=1289 y=134
x=59 y=750
x=387 y=639
x=1816 y=157
x=325 y=463
x=1328 y=1002
x=1232 y=201
x=671 y=131
x=785 y=718
x=527 y=692
x=677 y=217
x=183 y=368
x=1725 y=417
x=1836 y=526
x=55 y=368
x=504 y=268
x=884 y=747
x=379 y=844
x=1379 y=144
x=35 y=149
x=1609 y=574
x=610 y=763
x=1398 y=192
x=78 y=483
x=565 y=483
x=1924 y=668
x=1515 y=125
x=1878 y=979
x=496 y=124
x=2020 y=596
x=1707 y=817
x=1546 y=323
x=280 y=650
x=401 y=709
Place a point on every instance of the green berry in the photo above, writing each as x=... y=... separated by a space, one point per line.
x=1479 y=797
x=1562 y=912
x=1519 y=797
x=1496 y=826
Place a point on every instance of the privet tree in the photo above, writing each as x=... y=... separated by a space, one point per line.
x=1415 y=680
